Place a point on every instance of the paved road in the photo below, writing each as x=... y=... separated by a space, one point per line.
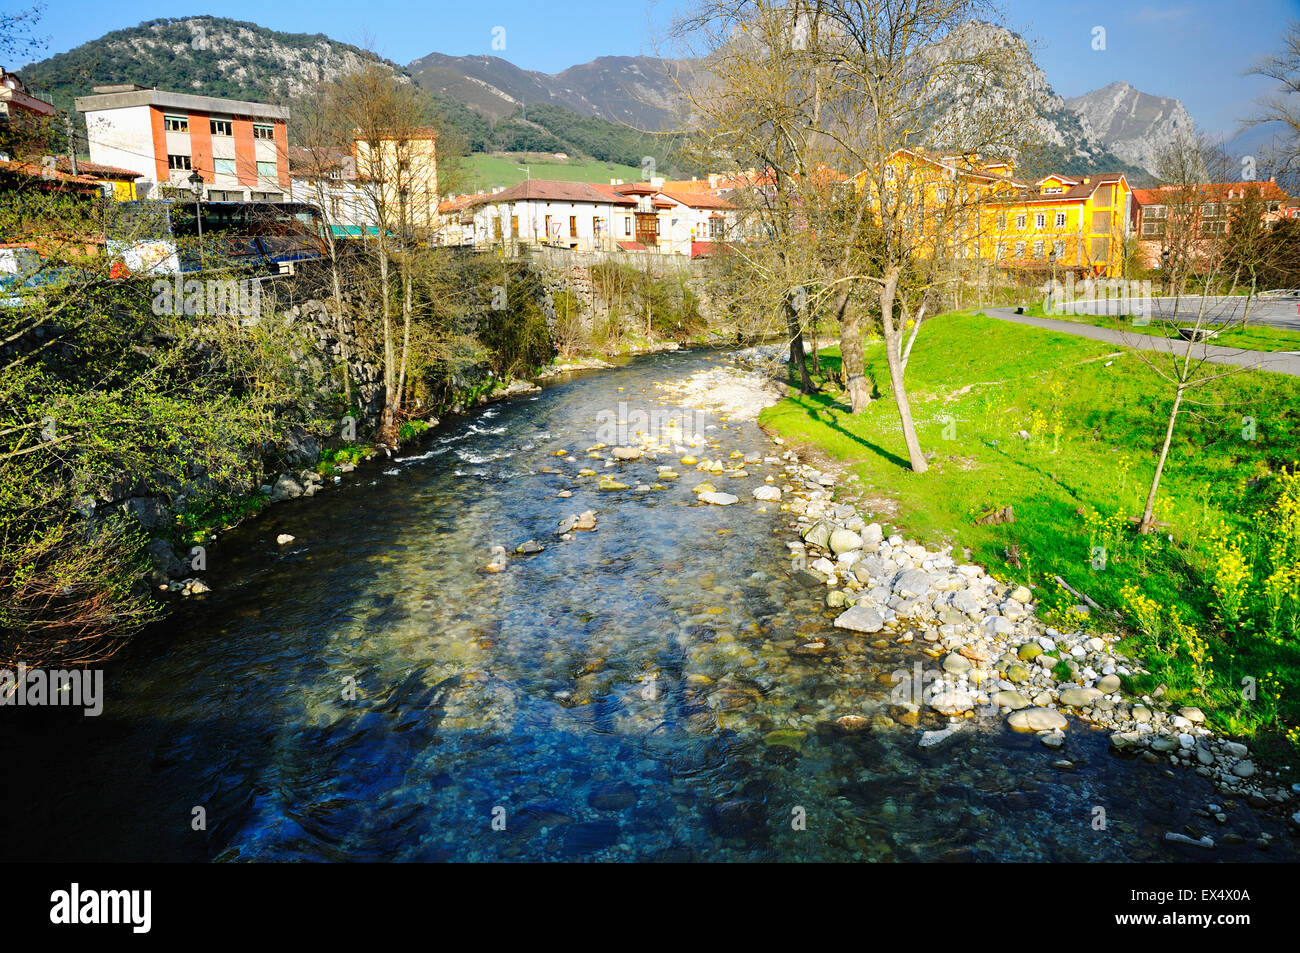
x=1280 y=362
x=1275 y=312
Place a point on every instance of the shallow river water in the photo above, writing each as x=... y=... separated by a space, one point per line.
x=366 y=693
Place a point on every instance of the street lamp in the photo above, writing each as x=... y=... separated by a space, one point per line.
x=196 y=186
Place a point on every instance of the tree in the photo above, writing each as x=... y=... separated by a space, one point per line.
x=906 y=72
x=1196 y=242
x=1283 y=105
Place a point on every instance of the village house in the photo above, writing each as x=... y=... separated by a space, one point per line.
x=24 y=118
x=1203 y=210
x=968 y=208
x=401 y=170
x=238 y=150
x=628 y=216
x=327 y=179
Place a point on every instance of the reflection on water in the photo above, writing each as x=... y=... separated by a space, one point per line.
x=636 y=692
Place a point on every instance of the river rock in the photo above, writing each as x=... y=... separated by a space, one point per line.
x=818 y=534
x=933 y=739
x=1037 y=719
x=627 y=453
x=1079 y=697
x=952 y=703
x=1013 y=700
x=843 y=541
x=719 y=499
x=1108 y=684
x=956 y=664
x=861 y=618
x=285 y=488
x=768 y=494
x=284 y=539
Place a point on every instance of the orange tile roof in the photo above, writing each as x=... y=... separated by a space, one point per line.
x=1270 y=191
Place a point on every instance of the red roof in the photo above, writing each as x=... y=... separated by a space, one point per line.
x=548 y=190
x=1218 y=191
x=699 y=200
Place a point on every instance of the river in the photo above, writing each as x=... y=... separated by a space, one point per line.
x=366 y=693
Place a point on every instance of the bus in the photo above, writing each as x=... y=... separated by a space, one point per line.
x=171 y=237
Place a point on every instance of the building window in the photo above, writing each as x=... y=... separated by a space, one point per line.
x=218 y=195
x=941 y=194
x=514 y=226
x=627 y=226
x=336 y=207
x=1153 y=228
x=224 y=166
x=1214 y=228
x=1060 y=220
x=1002 y=221
x=1059 y=249
x=266 y=170
x=1038 y=249
x=1155 y=211
x=178 y=163
x=1000 y=251
x=1052 y=190
x=1040 y=220
x=262 y=131
x=266 y=196
x=1020 y=251
x=717 y=229
x=573 y=226
x=1020 y=221
x=176 y=124
x=221 y=127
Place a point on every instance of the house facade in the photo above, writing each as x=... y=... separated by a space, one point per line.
x=402 y=175
x=238 y=149
x=636 y=216
x=968 y=208
x=327 y=179
x=24 y=118
x=1173 y=217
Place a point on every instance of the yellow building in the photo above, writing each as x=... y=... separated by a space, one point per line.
x=1070 y=224
x=117 y=184
x=962 y=207
x=400 y=173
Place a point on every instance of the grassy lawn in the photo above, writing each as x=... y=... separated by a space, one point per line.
x=1094 y=416
x=1254 y=338
x=503 y=169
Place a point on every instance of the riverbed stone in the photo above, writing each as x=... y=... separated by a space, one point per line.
x=719 y=499
x=1108 y=684
x=861 y=618
x=1037 y=719
x=1013 y=700
x=843 y=541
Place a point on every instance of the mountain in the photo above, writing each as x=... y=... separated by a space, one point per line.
x=638 y=91
x=1134 y=125
x=212 y=56
x=607 y=109
x=1044 y=135
x=216 y=56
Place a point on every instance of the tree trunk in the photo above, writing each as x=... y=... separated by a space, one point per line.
x=386 y=309
x=338 y=317
x=1148 y=514
x=797 y=357
x=894 y=354
x=854 y=365
x=406 y=330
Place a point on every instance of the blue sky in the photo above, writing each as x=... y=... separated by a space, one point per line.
x=1195 y=50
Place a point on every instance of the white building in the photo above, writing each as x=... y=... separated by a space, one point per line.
x=328 y=180
x=636 y=216
x=238 y=149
